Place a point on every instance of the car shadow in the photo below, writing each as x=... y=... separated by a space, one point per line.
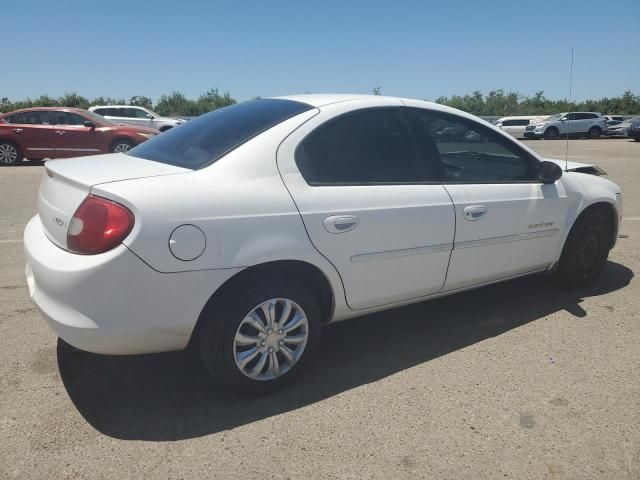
x=168 y=397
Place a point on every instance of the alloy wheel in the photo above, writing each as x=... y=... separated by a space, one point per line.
x=270 y=339
x=8 y=154
x=122 y=148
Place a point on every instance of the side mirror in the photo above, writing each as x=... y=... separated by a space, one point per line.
x=89 y=124
x=149 y=116
x=563 y=119
x=549 y=172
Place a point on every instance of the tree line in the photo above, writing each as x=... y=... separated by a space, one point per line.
x=494 y=103
x=501 y=103
x=172 y=104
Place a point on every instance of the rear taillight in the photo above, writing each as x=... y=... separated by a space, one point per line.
x=98 y=225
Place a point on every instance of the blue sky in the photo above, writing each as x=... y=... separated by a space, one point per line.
x=420 y=49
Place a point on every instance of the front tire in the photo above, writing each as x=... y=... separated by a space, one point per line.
x=261 y=336
x=10 y=154
x=121 y=146
x=585 y=251
x=551 y=133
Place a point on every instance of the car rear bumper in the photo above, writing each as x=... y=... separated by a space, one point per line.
x=114 y=303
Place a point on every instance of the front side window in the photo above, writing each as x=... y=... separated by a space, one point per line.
x=362 y=147
x=203 y=140
x=465 y=151
x=138 y=113
x=67 y=118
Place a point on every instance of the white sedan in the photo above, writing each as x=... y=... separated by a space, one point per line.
x=244 y=231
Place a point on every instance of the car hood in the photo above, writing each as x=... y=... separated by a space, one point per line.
x=578 y=167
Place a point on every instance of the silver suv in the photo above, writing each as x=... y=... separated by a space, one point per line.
x=132 y=115
x=572 y=124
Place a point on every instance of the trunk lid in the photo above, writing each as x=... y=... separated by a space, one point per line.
x=67 y=183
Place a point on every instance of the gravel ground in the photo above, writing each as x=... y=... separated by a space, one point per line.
x=520 y=380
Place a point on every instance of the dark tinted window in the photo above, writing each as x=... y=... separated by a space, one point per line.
x=585 y=116
x=101 y=111
x=515 y=123
x=137 y=113
x=466 y=151
x=203 y=140
x=38 y=117
x=366 y=146
x=66 y=118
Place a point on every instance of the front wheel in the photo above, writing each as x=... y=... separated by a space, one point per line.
x=10 y=154
x=121 y=146
x=551 y=133
x=258 y=339
x=585 y=251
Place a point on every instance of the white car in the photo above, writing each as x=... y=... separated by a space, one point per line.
x=243 y=232
x=515 y=126
x=133 y=115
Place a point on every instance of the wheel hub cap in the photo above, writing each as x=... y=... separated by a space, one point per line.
x=270 y=339
x=8 y=154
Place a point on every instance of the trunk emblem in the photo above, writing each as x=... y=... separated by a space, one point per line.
x=60 y=222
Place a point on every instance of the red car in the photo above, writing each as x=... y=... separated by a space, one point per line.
x=53 y=132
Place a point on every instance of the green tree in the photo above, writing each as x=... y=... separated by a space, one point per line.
x=141 y=101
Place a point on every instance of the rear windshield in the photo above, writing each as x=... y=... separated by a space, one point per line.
x=205 y=139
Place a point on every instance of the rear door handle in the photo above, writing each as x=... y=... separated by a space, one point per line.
x=340 y=223
x=60 y=132
x=18 y=130
x=474 y=212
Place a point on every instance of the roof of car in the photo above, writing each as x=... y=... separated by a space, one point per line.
x=92 y=107
x=34 y=109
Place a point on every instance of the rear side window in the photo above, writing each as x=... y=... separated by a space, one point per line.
x=362 y=147
x=205 y=139
x=586 y=116
x=38 y=117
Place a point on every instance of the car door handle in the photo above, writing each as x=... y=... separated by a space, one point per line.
x=474 y=212
x=18 y=130
x=61 y=132
x=340 y=223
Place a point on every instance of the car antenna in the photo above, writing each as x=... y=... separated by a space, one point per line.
x=566 y=152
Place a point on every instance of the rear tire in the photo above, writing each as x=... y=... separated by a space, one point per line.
x=223 y=340
x=10 y=154
x=551 y=133
x=121 y=146
x=595 y=132
x=585 y=251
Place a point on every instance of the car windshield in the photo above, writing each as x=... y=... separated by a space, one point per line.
x=99 y=119
x=634 y=120
x=203 y=140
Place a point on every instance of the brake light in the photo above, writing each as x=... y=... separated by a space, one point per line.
x=98 y=225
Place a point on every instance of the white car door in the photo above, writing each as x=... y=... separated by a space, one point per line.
x=507 y=222
x=364 y=197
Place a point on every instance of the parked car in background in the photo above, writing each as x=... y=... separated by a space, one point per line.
x=610 y=118
x=515 y=126
x=132 y=115
x=617 y=128
x=245 y=231
x=51 y=132
x=571 y=124
x=633 y=130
